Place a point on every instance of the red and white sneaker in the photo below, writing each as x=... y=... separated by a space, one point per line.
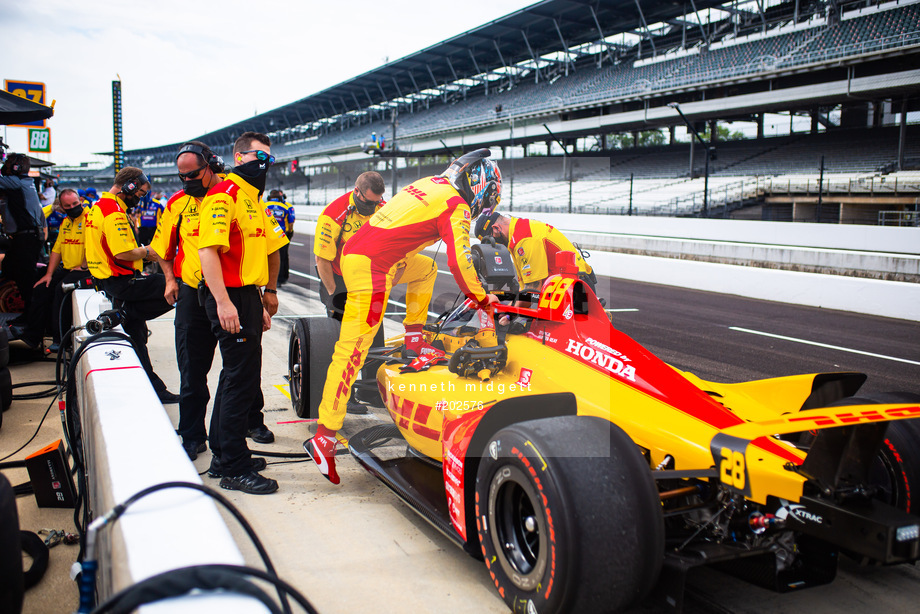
x=321 y=448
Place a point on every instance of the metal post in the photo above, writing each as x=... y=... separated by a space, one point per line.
x=820 y=190
x=511 y=182
x=630 y=193
x=676 y=107
x=393 y=150
x=705 y=212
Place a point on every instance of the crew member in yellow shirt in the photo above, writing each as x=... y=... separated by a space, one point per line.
x=238 y=243
x=176 y=245
x=533 y=246
x=115 y=261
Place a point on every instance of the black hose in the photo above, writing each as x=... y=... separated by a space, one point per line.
x=201 y=577
x=120 y=509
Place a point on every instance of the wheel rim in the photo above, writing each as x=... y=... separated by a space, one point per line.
x=519 y=528
x=296 y=369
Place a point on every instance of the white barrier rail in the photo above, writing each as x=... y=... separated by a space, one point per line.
x=130 y=445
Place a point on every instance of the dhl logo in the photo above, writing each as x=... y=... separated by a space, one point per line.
x=868 y=415
x=416 y=192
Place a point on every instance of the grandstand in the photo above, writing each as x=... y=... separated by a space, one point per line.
x=551 y=86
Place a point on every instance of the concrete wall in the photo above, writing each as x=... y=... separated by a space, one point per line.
x=130 y=444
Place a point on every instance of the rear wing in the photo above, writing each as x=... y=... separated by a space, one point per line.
x=847 y=439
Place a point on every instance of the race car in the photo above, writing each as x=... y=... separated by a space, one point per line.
x=587 y=472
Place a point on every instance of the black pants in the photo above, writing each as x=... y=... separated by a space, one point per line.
x=240 y=385
x=141 y=298
x=195 y=343
x=20 y=261
x=284 y=272
x=46 y=311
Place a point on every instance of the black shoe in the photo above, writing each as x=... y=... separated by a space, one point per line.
x=22 y=334
x=193 y=449
x=261 y=434
x=166 y=397
x=250 y=483
x=215 y=470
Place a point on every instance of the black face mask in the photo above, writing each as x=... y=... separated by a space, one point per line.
x=74 y=212
x=365 y=207
x=195 y=188
x=254 y=173
x=130 y=201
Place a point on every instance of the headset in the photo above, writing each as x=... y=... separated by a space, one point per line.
x=214 y=162
x=131 y=186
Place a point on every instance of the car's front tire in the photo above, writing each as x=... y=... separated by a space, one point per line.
x=568 y=516
x=309 y=354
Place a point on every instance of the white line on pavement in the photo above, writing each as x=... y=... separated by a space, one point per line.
x=823 y=345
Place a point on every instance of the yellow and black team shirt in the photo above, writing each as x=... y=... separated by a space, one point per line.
x=418 y=216
x=107 y=232
x=533 y=246
x=70 y=243
x=234 y=220
x=338 y=222
x=176 y=238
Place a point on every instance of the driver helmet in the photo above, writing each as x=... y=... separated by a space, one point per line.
x=477 y=179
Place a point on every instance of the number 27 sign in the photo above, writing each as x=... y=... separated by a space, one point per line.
x=30 y=90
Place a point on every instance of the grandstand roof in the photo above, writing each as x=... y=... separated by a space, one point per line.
x=529 y=33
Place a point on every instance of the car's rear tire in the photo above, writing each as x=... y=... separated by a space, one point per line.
x=568 y=516
x=309 y=354
x=896 y=469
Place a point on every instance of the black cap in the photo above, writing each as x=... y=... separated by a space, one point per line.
x=484 y=223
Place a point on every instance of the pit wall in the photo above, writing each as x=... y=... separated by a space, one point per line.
x=130 y=444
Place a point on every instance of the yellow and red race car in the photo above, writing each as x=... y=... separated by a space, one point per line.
x=585 y=471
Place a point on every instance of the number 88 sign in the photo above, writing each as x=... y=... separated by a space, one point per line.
x=40 y=140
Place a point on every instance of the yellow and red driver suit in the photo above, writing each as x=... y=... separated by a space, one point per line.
x=534 y=245
x=421 y=214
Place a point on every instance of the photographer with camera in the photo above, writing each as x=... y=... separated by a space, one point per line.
x=67 y=265
x=116 y=260
x=24 y=222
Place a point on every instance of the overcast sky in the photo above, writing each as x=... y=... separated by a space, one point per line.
x=189 y=66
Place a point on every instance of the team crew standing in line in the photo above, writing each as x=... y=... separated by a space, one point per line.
x=431 y=209
x=238 y=246
x=115 y=261
x=176 y=245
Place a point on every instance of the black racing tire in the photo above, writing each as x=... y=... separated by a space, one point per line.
x=6 y=389
x=896 y=469
x=568 y=516
x=4 y=348
x=309 y=354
